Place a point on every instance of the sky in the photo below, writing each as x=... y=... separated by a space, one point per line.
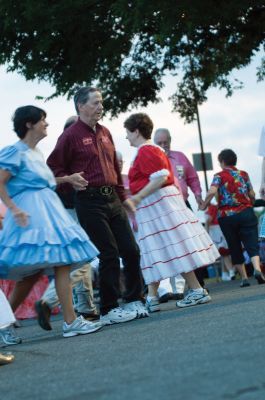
x=234 y=122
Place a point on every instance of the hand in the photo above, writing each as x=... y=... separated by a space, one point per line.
x=134 y=225
x=199 y=200
x=262 y=191
x=202 y=206
x=21 y=217
x=129 y=205
x=77 y=181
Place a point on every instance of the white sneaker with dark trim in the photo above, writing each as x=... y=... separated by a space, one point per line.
x=117 y=315
x=80 y=327
x=152 y=304
x=138 y=307
x=9 y=336
x=194 y=297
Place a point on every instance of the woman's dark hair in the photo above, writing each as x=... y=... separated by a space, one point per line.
x=228 y=156
x=26 y=114
x=142 y=122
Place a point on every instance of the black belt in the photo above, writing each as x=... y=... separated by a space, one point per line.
x=102 y=190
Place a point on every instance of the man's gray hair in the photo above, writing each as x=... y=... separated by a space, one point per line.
x=164 y=130
x=82 y=95
x=70 y=121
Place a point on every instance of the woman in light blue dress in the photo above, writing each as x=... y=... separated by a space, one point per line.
x=38 y=235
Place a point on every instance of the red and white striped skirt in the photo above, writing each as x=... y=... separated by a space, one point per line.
x=170 y=236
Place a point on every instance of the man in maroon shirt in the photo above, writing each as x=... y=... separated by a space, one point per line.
x=86 y=149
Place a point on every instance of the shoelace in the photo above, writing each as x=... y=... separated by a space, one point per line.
x=10 y=336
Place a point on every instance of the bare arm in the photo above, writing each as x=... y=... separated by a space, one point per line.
x=150 y=188
x=21 y=217
x=262 y=186
x=76 y=180
x=211 y=193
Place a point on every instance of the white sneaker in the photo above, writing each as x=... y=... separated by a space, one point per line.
x=117 y=315
x=152 y=304
x=80 y=327
x=232 y=274
x=193 y=298
x=225 y=277
x=138 y=307
x=9 y=336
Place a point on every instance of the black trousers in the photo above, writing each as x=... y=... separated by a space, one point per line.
x=238 y=229
x=105 y=221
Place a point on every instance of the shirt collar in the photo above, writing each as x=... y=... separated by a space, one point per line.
x=87 y=127
x=233 y=168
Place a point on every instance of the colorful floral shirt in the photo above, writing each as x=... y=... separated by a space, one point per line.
x=233 y=191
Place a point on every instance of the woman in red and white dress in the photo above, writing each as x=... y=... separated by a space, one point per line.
x=171 y=239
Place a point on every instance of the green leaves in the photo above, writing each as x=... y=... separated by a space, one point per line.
x=126 y=47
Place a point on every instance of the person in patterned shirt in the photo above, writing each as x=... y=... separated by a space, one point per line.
x=235 y=213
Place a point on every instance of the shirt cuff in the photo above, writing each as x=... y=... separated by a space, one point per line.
x=157 y=174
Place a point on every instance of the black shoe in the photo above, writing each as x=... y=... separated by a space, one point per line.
x=260 y=277
x=244 y=283
x=165 y=298
x=43 y=314
x=17 y=324
x=178 y=296
x=91 y=316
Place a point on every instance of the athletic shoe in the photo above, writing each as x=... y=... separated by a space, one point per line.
x=138 y=307
x=80 y=327
x=165 y=297
x=43 y=315
x=232 y=274
x=260 y=277
x=117 y=315
x=193 y=298
x=152 y=305
x=9 y=336
x=244 y=283
x=225 y=277
x=178 y=296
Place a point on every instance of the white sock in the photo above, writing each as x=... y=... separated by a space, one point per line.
x=149 y=298
x=199 y=290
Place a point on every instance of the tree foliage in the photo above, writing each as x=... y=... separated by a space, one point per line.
x=126 y=47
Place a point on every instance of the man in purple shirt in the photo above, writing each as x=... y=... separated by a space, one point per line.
x=86 y=148
x=182 y=168
x=187 y=178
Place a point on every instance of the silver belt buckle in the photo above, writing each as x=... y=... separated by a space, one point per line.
x=106 y=190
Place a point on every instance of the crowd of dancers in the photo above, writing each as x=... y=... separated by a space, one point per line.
x=77 y=207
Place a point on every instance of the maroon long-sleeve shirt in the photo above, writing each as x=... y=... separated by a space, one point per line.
x=79 y=148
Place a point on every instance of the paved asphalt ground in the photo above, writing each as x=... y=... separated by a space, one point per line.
x=212 y=351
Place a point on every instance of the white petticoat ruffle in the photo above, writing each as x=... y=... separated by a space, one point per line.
x=170 y=236
x=158 y=174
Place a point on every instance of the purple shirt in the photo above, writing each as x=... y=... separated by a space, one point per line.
x=79 y=148
x=185 y=172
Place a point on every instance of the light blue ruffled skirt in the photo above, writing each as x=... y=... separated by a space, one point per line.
x=262 y=226
x=51 y=239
